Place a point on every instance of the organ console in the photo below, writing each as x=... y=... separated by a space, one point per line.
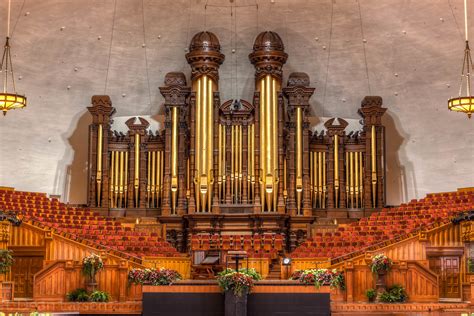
x=237 y=165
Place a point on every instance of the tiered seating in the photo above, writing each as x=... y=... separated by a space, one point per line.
x=257 y=246
x=84 y=224
x=389 y=224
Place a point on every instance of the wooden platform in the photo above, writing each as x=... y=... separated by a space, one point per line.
x=406 y=309
x=124 y=308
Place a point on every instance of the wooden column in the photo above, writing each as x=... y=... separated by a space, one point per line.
x=335 y=199
x=372 y=111
x=298 y=93
x=137 y=126
x=101 y=110
x=175 y=93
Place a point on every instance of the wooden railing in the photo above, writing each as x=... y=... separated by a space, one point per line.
x=63 y=276
x=420 y=283
x=180 y=264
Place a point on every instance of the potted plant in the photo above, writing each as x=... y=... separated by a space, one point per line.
x=90 y=266
x=236 y=286
x=320 y=277
x=371 y=295
x=153 y=276
x=380 y=265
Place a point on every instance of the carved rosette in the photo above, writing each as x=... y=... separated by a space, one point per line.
x=268 y=55
x=205 y=55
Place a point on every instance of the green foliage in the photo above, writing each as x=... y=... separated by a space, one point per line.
x=381 y=263
x=92 y=264
x=394 y=294
x=6 y=260
x=320 y=277
x=371 y=294
x=99 y=296
x=239 y=282
x=78 y=295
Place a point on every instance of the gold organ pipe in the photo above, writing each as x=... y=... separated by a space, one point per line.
x=224 y=153
x=126 y=179
x=268 y=143
x=263 y=172
x=210 y=150
x=153 y=178
x=285 y=191
x=174 y=159
x=219 y=176
x=320 y=179
x=99 y=164
x=204 y=188
x=121 y=179
x=275 y=159
x=240 y=162
x=356 y=167
x=162 y=167
x=336 y=170
x=361 y=181
x=188 y=193
x=137 y=168
x=197 y=175
x=324 y=179
x=252 y=156
x=351 y=170
x=311 y=180
x=374 y=166
x=148 y=180
x=112 y=177
x=299 y=158
x=116 y=181
x=232 y=161
x=249 y=161
x=347 y=178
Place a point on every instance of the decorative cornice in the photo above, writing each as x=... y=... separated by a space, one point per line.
x=298 y=91
x=371 y=110
x=175 y=91
x=101 y=109
x=336 y=129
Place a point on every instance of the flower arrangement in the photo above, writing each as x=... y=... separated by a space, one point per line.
x=380 y=263
x=319 y=277
x=91 y=265
x=239 y=282
x=6 y=260
x=153 y=276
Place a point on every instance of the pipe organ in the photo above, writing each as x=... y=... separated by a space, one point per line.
x=236 y=165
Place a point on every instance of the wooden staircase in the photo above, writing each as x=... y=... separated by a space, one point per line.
x=274 y=272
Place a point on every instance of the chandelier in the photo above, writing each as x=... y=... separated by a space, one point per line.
x=464 y=103
x=9 y=100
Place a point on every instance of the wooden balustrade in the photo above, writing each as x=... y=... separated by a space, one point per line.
x=180 y=264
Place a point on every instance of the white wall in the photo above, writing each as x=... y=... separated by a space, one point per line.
x=413 y=51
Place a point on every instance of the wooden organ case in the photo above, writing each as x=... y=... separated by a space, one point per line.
x=237 y=166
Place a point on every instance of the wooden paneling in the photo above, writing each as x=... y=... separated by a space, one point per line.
x=60 y=277
x=305 y=263
x=180 y=264
x=26 y=235
x=260 y=265
x=420 y=283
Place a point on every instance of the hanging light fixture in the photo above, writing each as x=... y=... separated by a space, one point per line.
x=464 y=103
x=9 y=100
